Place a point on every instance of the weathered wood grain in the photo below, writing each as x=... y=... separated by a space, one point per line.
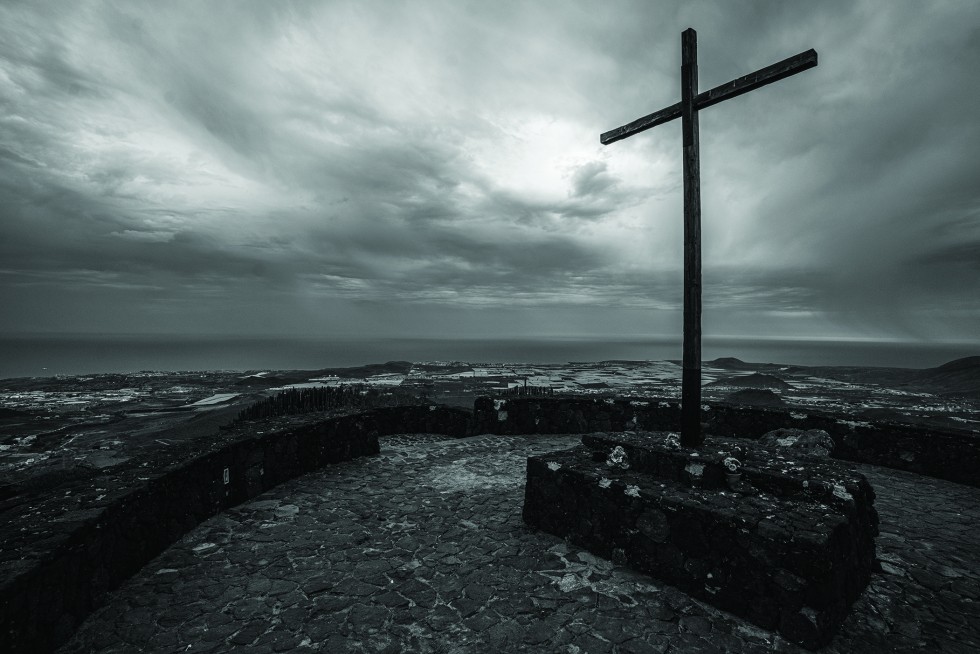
x=768 y=75
x=642 y=124
x=691 y=435
x=736 y=87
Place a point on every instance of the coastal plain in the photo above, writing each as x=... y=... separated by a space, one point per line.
x=58 y=428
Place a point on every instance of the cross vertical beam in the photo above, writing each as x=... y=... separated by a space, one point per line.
x=691 y=375
x=687 y=110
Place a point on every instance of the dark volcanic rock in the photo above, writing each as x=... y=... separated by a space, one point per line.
x=789 y=547
x=882 y=413
x=755 y=397
x=814 y=442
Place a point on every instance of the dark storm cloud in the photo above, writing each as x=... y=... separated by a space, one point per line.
x=207 y=161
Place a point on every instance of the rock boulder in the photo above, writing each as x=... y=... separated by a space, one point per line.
x=814 y=442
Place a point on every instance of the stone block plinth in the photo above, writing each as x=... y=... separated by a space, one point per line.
x=788 y=546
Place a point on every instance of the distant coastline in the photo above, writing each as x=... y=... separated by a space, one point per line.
x=55 y=354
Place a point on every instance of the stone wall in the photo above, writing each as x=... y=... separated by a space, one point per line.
x=950 y=455
x=61 y=552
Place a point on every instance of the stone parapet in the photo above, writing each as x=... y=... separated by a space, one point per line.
x=61 y=552
x=944 y=454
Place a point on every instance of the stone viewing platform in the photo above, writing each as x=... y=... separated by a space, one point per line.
x=789 y=545
x=422 y=549
x=290 y=499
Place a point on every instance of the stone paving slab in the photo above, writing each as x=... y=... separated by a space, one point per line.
x=422 y=549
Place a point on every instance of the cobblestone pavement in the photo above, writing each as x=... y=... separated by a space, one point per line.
x=422 y=549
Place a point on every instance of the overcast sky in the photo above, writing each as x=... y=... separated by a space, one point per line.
x=379 y=168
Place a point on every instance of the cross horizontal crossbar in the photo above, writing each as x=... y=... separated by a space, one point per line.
x=768 y=75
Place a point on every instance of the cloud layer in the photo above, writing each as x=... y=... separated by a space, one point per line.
x=382 y=168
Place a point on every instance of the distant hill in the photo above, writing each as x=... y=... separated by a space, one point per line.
x=730 y=363
x=754 y=397
x=959 y=377
x=958 y=365
x=755 y=380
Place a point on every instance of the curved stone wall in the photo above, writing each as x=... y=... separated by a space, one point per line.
x=61 y=552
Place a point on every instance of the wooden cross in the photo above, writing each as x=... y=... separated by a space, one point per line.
x=687 y=110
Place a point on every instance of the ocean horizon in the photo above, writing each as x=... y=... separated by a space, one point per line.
x=51 y=355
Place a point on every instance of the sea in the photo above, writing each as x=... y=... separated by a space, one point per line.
x=52 y=355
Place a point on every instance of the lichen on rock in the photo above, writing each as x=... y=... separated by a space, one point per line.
x=617 y=458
